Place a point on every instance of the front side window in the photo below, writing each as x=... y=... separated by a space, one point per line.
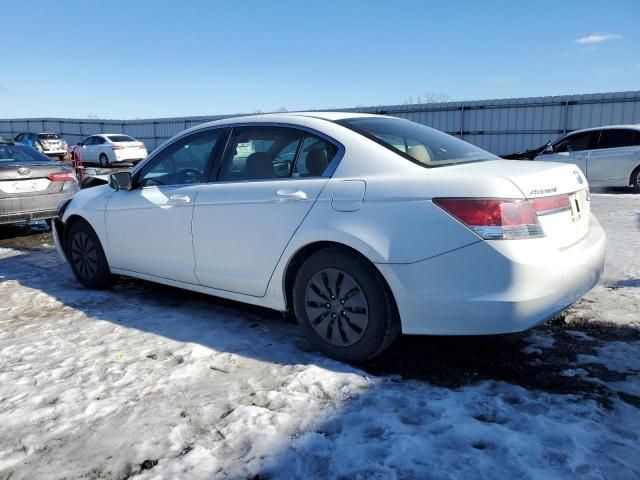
x=616 y=138
x=88 y=141
x=183 y=162
x=422 y=145
x=260 y=153
x=98 y=140
x=574 y=143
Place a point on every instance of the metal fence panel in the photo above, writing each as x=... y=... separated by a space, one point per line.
x=501 y=126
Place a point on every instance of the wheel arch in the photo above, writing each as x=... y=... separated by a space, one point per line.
x=635 y=171
x=304 y=252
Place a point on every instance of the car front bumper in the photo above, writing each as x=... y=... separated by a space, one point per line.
x=493 y=287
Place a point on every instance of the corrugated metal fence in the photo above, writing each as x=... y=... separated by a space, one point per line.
x=500 y=126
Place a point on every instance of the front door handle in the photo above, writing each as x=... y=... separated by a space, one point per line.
x=290 y=196
x=177 y=200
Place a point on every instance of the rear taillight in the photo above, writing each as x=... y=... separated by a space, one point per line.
x=117 y=147
x=143 y=147
x=548 y=205
x=62 y=177
x=494 y=218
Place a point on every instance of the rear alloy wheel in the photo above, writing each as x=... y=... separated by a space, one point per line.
x=87 y=258
x=342 y=303
x=104 y=161
x=635 y=180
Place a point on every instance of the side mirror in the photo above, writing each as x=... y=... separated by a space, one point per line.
x=121 y=181
x=548 y=149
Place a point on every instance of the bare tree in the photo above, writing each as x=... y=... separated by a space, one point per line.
x=430 y=97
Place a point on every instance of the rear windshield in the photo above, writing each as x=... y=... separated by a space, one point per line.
x=48 y=136
x=21 y=154
x=120 y=138
x=420 y=144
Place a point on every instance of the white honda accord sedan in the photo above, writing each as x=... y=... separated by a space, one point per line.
x=364 y=226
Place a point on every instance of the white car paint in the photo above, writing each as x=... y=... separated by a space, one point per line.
x=618 y=166
x=117 y=148
x=236 y=239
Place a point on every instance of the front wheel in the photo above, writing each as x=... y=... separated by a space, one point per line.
x=87 y=258
x=344 y=306
x=635 y=180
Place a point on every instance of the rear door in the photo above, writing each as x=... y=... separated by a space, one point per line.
x=269 y=179
x=614 y=156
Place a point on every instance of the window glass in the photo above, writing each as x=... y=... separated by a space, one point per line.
x=120 y=138
x=21 y=154
x=19 y=138
x=88 y=141
x=315 y=156
x=616 y=138
x=183 y=162
x=260 y=153
x=421 y=144
x=48 y=136
x=575 y=143
x=98 y=140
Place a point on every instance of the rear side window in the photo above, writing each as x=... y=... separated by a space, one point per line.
x=616 y=138
x=260 y=153
x=315 y=156
x=420 y=144
x=120 y=138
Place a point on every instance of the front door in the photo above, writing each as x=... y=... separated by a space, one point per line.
x=149 y=227
x=270 y=178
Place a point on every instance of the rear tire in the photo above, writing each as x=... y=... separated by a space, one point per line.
x=104 y=161
x=344 y=306
x=635 y=180
x=87 y=258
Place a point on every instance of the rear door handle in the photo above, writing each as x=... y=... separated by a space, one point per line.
x=284 y=195
x=179 y=200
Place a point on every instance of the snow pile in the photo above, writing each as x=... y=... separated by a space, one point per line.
x=152 y=382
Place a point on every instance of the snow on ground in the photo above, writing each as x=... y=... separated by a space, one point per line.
x=151 y=382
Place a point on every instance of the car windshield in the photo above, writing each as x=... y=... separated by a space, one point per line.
x=48 y=136
x=21 y=154
x=120 y=138
x=420 y=144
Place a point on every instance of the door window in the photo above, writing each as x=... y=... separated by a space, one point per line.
x=88 y=141
x=616 y=138
x=260 y=153
x=98 y=140
x=183 y=162
x=575 y=143
x=315 y=156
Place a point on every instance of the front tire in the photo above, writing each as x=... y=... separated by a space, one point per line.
x=104 y=161
x=635 y=180
x=343 y=305
x=87 y=258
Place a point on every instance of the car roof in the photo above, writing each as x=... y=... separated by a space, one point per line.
x=288 y=117
x=607 y=127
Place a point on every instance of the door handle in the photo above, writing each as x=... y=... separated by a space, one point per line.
x=290 y=196
x=179 y=200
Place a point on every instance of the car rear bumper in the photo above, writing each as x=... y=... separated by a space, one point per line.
x=55 y=153
x=36 y=207
x=495 y=287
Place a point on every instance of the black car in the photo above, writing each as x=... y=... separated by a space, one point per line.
x=51 y=144
x=31 y=184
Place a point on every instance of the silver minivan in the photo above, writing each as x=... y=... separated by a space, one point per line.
x=608 y=156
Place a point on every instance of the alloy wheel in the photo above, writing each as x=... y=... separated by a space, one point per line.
x=84 y=255
x=336 y=307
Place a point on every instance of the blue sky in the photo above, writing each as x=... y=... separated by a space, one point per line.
x=141 y=59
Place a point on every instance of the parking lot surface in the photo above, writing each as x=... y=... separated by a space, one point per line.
x=148 y=381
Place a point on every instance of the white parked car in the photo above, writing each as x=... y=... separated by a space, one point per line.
x=108 y=149
x=363 y=225
x=609 y=156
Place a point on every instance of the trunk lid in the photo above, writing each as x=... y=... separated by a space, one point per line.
x=535 y=180
x=16 y=179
